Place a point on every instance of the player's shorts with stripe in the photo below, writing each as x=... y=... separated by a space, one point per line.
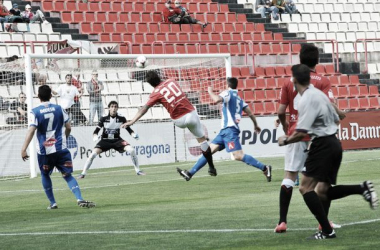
x=324 y=158
x=61 y=160
x=229 y=139
x=107 y=144
x=192 y=122
x=295 y=156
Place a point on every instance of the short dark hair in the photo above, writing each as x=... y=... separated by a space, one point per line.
x=113 y=103
x=69 y=75
x=21 y=93
x=44 y=93
x=301 y=73
x=232 y=82
x=153 y=78
x=309 y=55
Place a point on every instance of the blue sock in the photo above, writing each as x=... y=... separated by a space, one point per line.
x=48 y=187
x=249 y=160
x=198 y=165
x=74 y=187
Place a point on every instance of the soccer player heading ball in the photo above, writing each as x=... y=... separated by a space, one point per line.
x=110 y=138
x=182 y=112
x=228 y=137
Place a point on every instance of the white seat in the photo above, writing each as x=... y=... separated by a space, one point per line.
x=133 y=111
x=303 y=26
x=349 y=47
x=85 y=102
x=331 y=35
x=375 y=16
x=352 y=26
x=136 y=87
x=306 y=18
x=147 y=88
x=345 y=17
x=22 y=27
x=53 y=77
x=310 y=36
x=135 y=100
x=296 y=18
x=308 y=7
x=54 y=37
x=34 y=28
x=144 y=98
x=338 y=7
x=376 y=46
x=343 y=26
x=333 y=27
x=3 y=50
x=112 y=76
x=124 y=101
x=349 y=7
x=17 y=37
x=47 y=28
x=363 y=26
x=327 y=48
x=113 y=88
x=123 y=112
x=369 y=7
x=313 y=26
x=365 y=16
x=39 y=49
x=293 y=27
x=372 y=68
x=4 y=91
x=322 y=27
x=370 y=35
x=148 y=115
x=321 y=36
x=29 y=37
x=124 y=76
x=377 y=6
x=157 y=113
x=13 y=50
x=285 y=19
x=66 y=37
x=341 y=36
x=360 y=47
x=350 y=36
x=326 y=17
x=341 y=48
x=110 y=98
x=319 y=7
x=356 y=17
x=372 y=26
x=43 y=37
x=335 y=17
x=316 y=18
x=360 y=35
x=125 y=87
x=14 y=90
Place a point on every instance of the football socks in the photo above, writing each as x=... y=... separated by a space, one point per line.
x=315 y=206
x=249 y=160
x=74 y=187
x=48 y=186
x=198 y=165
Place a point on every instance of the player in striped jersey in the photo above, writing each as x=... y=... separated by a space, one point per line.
x=228 y=137
x=110 y=139
x=49 y=119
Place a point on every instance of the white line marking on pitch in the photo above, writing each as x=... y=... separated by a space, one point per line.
x=178 y=231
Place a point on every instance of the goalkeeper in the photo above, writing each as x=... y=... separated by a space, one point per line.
x=110 y=138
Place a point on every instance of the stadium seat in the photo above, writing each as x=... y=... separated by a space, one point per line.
x=363 y=91
x=343 y=92
x=343 y=104
x=353 y=104
x=373 y=90
x=270 y=108
x=258 y=108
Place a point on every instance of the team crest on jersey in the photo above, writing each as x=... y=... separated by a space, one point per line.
x=231 y=145
x=50 y=142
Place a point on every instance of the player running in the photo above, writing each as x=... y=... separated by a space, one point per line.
x=228 y=137
x=110 y=138
x=296 y=153
x=49 y=119
x=182 y=112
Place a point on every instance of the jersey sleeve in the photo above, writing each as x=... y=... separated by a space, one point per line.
x=244 y=104
x=284 y=99
x=33 y=122
x=66 y=117
x=153 y=99
x=101 y=122
x=307 y=112
x=225 y=95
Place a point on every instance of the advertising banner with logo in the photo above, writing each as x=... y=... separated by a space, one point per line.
x=360 y=130
x=258 y=145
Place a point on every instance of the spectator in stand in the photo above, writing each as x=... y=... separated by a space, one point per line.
x=39 y=17
x=19 y=109
x=78 y=116
x=277 y=7
x=3 y=11
x=290 y=7
x=67 y=93
x=42 y=79
x=16 y=9
x=94 y=88
x=185 y=16
x=170 y=14
x=264 y=6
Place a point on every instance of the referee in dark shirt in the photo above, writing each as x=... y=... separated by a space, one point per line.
x=318 y=118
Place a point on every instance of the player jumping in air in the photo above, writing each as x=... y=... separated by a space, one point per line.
x=110 y=139
x=228 y=137
x=49 y=119
x=182 y=112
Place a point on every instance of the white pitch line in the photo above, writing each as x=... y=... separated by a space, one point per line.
x=177 y=231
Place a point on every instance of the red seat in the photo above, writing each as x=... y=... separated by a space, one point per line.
x=363 y=91
x=221 y=17
x=116 y=6
x=270 y=107
x=146 y=17
x=204 y=36
x=157 y=49
x=280 y=82
x=213 y=7
x=202 y=7
x=105 y=37
x=268 y=36
x=215 y=37
x=231 y=17
x=330 y=69
x=250 y=84
x=296 y=48
x=210 y=17
x=248 y=96
x=120 y=28
x=334 y=80
x=278 y=36
x=320 y=69
x=245 y=72
x=250 y=27
x=66 y=17
x=180 y=48
x=191 y=49
x=373 y=90
x=234 y=49
x=157 y=17
x=78 y=17
x=343 y=92
x=153 y=28
x=266 y=49
x=165 y=27
x=193 y=37
x=97 y=28
x=288 y=70
x=354 y=80
x=149 y=37
x=105 y=6
x=89 y=17
x=71 y=6
x=138 y=38
x=261 y=83
x=48 y=6
x=135 y=17
x=335 y=91
x=364 y=103
x=343 y=104
x=93 y=6
x=374 y=102
x=269 y=71
x=354 y=104
x=150 y=7
x=343 y=79
x=271 y=83
x=86 y=28
x=259 y=95
x=128 y=37
x=138 y=6
x=108 y=27
x=142 y=27
x=131 y=27
x=241 y=18
x=212 y=48
x=113 y=17
x=228 y=27
x=354 y=91
x=101 y=17
x=260 y=72
x=271 y=94
x=280 y=71
x=186 y=28
x=123 y=17
x=235 y=72
x=226 y=36
x=116 y=37
x=258 y=108
x=236 y=36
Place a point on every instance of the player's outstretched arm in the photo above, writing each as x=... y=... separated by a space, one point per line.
x=28 y=139
x=281 y=113
x=248 y=111
x=216 y=98
x=137 y=117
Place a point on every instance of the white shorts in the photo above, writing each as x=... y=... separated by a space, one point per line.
x=192 y=122
x=295 y=156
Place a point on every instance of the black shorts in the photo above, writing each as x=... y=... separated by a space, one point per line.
x=107 y=144
x=324 y=159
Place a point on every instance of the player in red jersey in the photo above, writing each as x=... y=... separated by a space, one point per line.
x=169 y=94
x=296 y=153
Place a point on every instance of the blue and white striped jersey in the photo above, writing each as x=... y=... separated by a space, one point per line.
x=49 y=119
x=233 y=107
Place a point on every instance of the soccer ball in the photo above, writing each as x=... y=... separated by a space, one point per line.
x=141 y=62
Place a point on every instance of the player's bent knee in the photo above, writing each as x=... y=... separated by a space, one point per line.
x=66 y=175
x=129 y=149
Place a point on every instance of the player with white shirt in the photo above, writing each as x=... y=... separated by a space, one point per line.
x=228 y=137
x=169 y=94
x=50 y=120
x=67 y=92
x=110 y=139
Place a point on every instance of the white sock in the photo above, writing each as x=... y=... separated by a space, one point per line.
x=204 y=146
x=134 y=158
x=88 y=163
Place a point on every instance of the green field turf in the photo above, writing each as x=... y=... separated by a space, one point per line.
x=237 y=209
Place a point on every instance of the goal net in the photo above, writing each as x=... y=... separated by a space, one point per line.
x=118 y=78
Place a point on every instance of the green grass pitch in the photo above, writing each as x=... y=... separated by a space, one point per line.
x=237 y=209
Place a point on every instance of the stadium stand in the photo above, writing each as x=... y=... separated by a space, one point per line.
x=274 y=45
